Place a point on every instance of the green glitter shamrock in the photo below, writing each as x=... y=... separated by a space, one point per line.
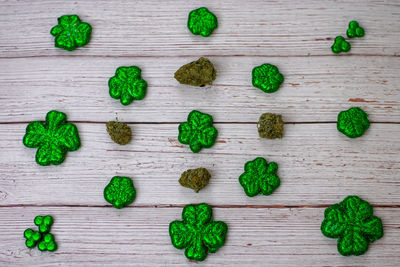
x=353 y=223
x=120 y=192
x=259 y=177
x=340 y=45
x=198 y=131
x=44 y=223
x=202 y=22
x=355 y=30
x=353 y=122
x=71 y=32
x=127 y=85
x=53 y=138
x=47 y=243
x=32 y=237
x=197 y=233
x=267 y=78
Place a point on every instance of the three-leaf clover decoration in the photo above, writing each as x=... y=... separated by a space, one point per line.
x=355 y=30
x=197 y=233
x=198 y=131
x=353 y=122
x=48 y=243
x=267 y=78
x=53 y=138
x=120 y=192
x=259 y=177
x=127 y=85
x=71 y=32
x=340 y=45
x=44 y=223
x=353 y=223
x=202 y=22
x=32 y=237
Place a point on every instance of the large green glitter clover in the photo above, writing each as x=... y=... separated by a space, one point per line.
x=202 y=22
x=353 y=223
x=353 y=122
x=127 y=85
x=44 y=223
x=197 y=233
x=53 y=138
x=32 y=237
x=47 y=243
x=355 y=30
x=267 y=78
x=340 y=45
x=259 y=177
x=198 y=131
x=71 y=32
x=120 y=192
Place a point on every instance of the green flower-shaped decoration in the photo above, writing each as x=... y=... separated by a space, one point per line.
x=198 y=131
x=71 y=32
x=353 y=223
x=197 y=233
x=32 y=237
x=353 y=122
x=267 y=78
x=120 y=192
x=44 y=223
x=47 y=243
x=340 y=45
x=355 y=30
x=259 y=177
x=127 y=85
x=202 y=22
x=53 y=138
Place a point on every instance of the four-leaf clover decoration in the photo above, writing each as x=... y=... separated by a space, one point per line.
x=71 y=32
x=259 y=177
x=53 y=138
x=353 y=223
x=120 y=192
x=267 y=78
x=202 y=22
x=353 y=122
x=127 y=85
x=198 y=233
x=198 y=131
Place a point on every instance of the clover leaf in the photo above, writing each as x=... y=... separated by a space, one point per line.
x=198 y=233
x=71 y=32
x=340 y=45
x=267 y=78
x=259 y=177
x=198 y=131
x=53 y=138
x=127 y=85
x=120 y=192
x=355 y=30
x=202 y=22
x=353 y=223
x=32 y=237
x=44 y=223
x=47 y=243
x=353 y=122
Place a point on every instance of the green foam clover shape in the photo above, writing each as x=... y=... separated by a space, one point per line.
x=267 y=78
x=355 y=30
x=32 y=237
x=53 y=138
x=202 y=22
x=198 y=131
x=48 y=243
x=353 y=223
x=198 y=233
x=259 y=177
x=43 y=223
x=340 y=45
x=71 y=32
x=127 y=85
x=353 y=122
x=120 y=192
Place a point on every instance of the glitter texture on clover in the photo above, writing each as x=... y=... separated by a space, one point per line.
x=44 y=223
x=120 y=192
x=259 y=177
x=198 y=233
x=48 y=243
x=355 y=30
x=202 y=22
x=353 y=122
x=71 y=32
x=267 y=78
x=127 y=85
x=353 y=223
x=53 y=138
x=340 y=45
x=32 y=237
x=198 y=131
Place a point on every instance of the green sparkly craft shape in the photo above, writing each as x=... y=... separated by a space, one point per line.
x=267 y=78
x=120 y=192
x=353 y=122
x=48 y=243
x=53 y=138
x=44 y=223
x=198 y=131
x=353 y=223
x=340 y=45
x=202 y=22
x=259 y=177
x=43 y=239
x=197 y=233
x=32 y=237
x=355 y=30
x=71 y=32
x=127 y=85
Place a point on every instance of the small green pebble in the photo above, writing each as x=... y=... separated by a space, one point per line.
x=355 y=30
x=202 y=22
x=340 y=45
x=353 y=122
x=44 y=223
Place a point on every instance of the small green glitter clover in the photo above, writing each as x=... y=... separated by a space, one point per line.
x=355 y=30
x=44 y=223
x=340 y=45
x=120 y=192
x=48 y=243
x=202 y=22
x=71 y=32
x=259 y=177
x=53 y=138
x=353 y=223
x=127 y=85
x=197 y=233
x=267 y=78
x=32 y=237
x=353 y=122
x=198 y=131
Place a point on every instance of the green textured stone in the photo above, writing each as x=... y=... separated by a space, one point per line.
x=197 y=73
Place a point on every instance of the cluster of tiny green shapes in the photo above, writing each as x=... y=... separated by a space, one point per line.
x=120 y=192
x=340 y=45
x=32 y=237
x=44 y=223
x=48 y=243
x=353 y=122
x=267 y=78
x=42 y=238
x=202 y=22
x=355 y=30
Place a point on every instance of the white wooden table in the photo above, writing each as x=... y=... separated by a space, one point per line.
x=318 y=165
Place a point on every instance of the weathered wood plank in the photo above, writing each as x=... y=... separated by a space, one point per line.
x=158 y=28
